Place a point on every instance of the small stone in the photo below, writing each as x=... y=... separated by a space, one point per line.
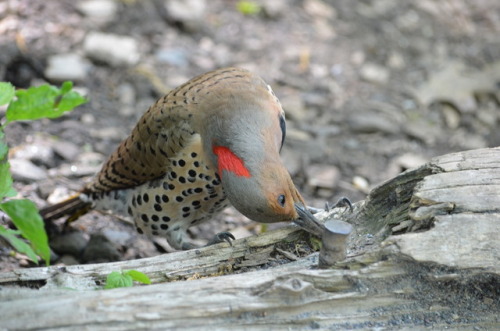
x=99 y=249
x=58 y=194
x=98 y=10
x=67 y=150
x=109 y=133
x=117 y=237
x=396 y=61
x=87 y=119
x=297 y=135
x=188 y=12
x=67 y=259
x=371 y=123
x=25 y=171
x=291 y=160
x=275 y=8
x=112 y=49
x=176 y=57
x=374 y=73
x=71 y=66
x=322 y=176
x=39 y=152
x=294 y=107
x=72 y=243
x=361 y=184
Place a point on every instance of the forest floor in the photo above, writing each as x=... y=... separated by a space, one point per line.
x=370 y=88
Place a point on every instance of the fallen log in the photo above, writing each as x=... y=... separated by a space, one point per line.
x=425 y=253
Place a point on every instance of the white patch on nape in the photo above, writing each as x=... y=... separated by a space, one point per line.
x=272 y=93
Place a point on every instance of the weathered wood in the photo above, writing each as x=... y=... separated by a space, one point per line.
x=445 y=275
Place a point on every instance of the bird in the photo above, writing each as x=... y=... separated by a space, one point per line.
x=212 y=142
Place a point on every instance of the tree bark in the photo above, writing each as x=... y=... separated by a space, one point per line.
x=425 y=253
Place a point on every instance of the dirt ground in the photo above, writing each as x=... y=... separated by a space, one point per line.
x=370 y=88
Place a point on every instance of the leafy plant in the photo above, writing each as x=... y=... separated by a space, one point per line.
x=125 y=279
x=248 y=7
x=44 y=101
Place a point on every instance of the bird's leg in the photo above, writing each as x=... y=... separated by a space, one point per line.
x=179 y=239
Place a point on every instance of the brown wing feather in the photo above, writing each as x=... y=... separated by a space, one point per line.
x=161 y=133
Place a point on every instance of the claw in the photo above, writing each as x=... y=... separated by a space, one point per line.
x=343 y=202
x=222 y=237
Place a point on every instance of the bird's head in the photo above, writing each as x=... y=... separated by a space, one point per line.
x=243 y=130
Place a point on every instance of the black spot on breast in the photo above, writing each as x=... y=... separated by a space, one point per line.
x=129 y=211
x=198 y=190
x=192 y=173
x=155 y=218
x=196 y=164
x=165 y=219
x=182 y=179
x=164 y=198
x=157 y=198
x=179 y=198
x=185 y=209
x=195 y=203
x=145 y=197
x=182 y=163
x=157 y=207
x=139 y=230
x=144 y=218
x=174 y=163
x=194 y=154
x=139 y=199
x=173 y=174
x=154 y=227
x=164 y=226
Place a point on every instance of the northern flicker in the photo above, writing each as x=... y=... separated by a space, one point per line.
x=211 y=142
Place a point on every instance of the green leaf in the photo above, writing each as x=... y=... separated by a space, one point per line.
x=18 y=244
x=248 y=7
x=117 y=279
x=44 y=101
x=138 y=276
x=6 y=189
x=7 y=92
x=26 y=218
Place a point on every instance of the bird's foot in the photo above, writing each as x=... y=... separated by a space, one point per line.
x=222 y=237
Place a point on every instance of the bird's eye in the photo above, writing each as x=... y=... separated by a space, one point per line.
x=281 y=200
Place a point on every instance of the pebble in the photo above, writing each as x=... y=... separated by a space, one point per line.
x=109 y=133
x=39 y=152
x=275 y=8
x=188 y=12
x=322 y=176
x=25 y=171
x=361 y=184
x=176 y=57
x=98 y=10
x=112 y=49
x=70 y=66
x=371 y=123
x=67 y=150
x=294 y=107
x=117 y=237
x=72 y=243
x=374 y=73
x=67 y=260
x=99 y=249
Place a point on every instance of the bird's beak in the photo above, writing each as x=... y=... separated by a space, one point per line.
x=308 y=222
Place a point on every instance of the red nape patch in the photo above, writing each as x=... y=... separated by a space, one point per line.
x=230 y=162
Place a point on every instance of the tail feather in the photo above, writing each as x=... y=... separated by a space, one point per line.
x=73 y=207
